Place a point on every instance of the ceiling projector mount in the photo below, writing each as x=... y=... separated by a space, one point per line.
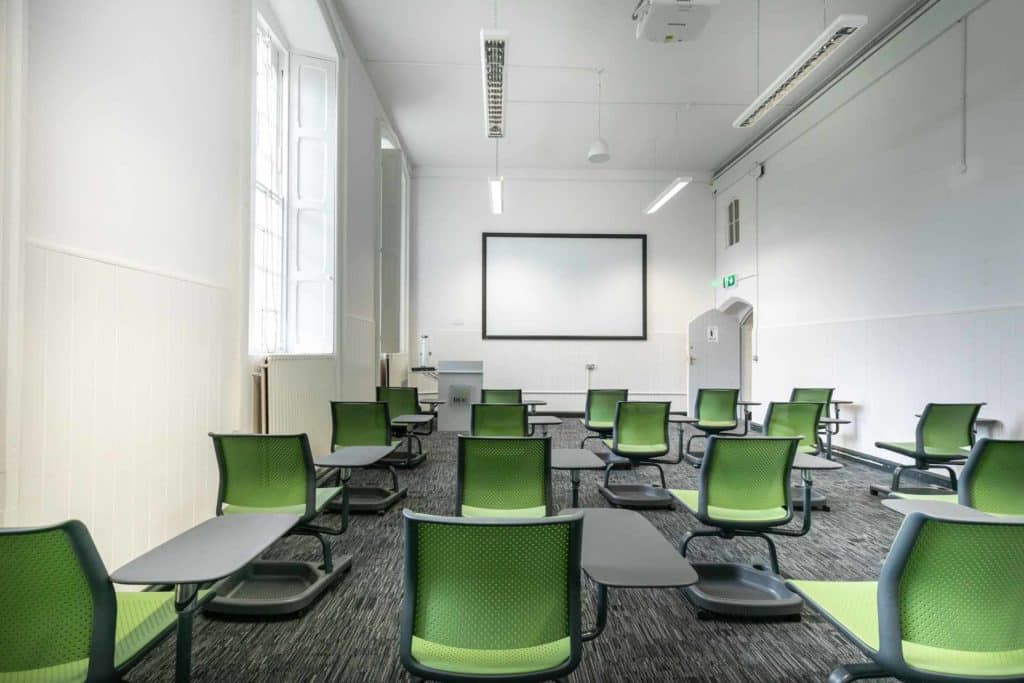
x=671 y=21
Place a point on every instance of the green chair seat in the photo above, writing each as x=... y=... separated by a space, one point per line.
x=490 y=662
x=638 y=449
x=726 y=514
x=807 y=450
x=323 y=496
x=716 y=424
x=141 y=618
x=598 y=424
x=69 y=672
x=853 y=607
x=471 y=511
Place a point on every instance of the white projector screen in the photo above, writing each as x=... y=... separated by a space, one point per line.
x=564 y=286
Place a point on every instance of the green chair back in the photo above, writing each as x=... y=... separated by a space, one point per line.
x=265 y=471
x=794 y=419
x=486 y=594
x=822 y=395
x=360 y=423
x=601 y=404
x=499 y=419
x=993 y=478
x=501 y=396
x=400 y=400
x=58 y=606
x=504 y=477
x=641 y=428
x=947 y=426
x=954 y=585
x=749 y=473
x=717 y=405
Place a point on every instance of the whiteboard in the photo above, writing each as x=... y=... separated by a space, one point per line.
x=564 y=286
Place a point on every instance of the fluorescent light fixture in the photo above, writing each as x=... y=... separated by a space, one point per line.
x=496 y=203
x=667 y=194
x=493 y=46
x=824 y=46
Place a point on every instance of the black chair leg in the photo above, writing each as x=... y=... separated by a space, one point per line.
x=684 y=542
x=773 y=554
x=856 y=672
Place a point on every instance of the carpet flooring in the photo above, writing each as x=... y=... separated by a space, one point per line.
x=351 y=633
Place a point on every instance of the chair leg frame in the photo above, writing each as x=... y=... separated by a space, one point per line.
x=856 y=672
x=661 y=471
x=773 y=555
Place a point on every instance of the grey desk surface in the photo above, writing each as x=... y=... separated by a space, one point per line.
x=355 y=456
x=534 y=402
x=207 y=552
x=834 y=421
x=621 y=549
x=944 y=510
x=575 y=459
x=544 y=420
x=802 y=461
x=418 y=419
x=686 y=420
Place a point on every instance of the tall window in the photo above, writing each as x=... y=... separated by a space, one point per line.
x=293 y=200
x=734 y=222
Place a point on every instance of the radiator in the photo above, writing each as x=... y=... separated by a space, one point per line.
x=297 y=392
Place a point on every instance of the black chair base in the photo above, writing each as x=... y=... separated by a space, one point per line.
x=617 y=462
x=818 y=499
x=274 y=588
x=404 y=459
x=739 y=590
x=637 y=496
x=370 y=499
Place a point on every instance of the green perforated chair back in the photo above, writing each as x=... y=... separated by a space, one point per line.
x=499 y=419
x=717 y=405
x=954 y=585
x=641 y=428
x=360 y=423
x=400 y=400
x=822 y=395
x=947 y=426
x=794 y=419
x=993 y=478
x=747 y=474
x=504 y=476
x=489 y=596
x=265 y=471
x=58 y=606
x=601 y=404
x=501 y=396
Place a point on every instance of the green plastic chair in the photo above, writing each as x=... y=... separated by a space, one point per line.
x=795 y=419
x=945 y=434
x=499 y=419
x=273 y=473
x=491 y=599
x=503 y=477
x=822 y=395
x=639 y=434
x=715 y=410
x=366 y=423
x=501 y=396
x=992 y=481
x=406 y=401
x=948 y=605
x=62 y=619
x=599 y=415
x=744 y=490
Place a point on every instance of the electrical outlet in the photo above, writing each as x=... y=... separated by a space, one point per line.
x=591 y=366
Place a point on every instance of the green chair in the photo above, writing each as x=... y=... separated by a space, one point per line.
x=822 y=395
x=639 y=434
x=715 y=410
x=744 y=491
x=491 y=599
x=406 y=401
x=367 y=423
x=992 y=481
x=501 y=395
x=499 y=419
x=272 y=473
x=948 y=605
x=945 y=434
x=61 y=618
x=599 y=414
x=503 y=477
x=800 y=419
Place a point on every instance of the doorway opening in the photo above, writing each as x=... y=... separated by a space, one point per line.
x=743 y=312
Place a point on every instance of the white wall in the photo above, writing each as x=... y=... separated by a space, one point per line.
x=450 y=211
x=883 y=270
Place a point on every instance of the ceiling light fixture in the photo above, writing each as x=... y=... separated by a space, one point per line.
x=495 y=183
x=599 y=152
x=668 y=193
x=824 y=46
x=493 y=58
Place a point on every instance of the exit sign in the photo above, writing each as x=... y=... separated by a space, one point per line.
x=726 y=282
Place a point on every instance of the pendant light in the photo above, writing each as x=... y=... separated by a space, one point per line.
x=599 y=152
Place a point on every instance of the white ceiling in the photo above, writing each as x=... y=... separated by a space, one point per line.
x=424 y=59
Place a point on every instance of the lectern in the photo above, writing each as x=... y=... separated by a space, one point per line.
x=459 y=384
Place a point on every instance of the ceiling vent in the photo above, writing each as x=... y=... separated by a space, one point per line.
x=823 y=47
x=493 y=57
x=671 y=21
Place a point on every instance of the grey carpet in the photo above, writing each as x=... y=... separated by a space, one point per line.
x=351 y=633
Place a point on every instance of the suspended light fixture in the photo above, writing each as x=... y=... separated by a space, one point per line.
x=496 y=183
x=676 y=185
x=599 y=152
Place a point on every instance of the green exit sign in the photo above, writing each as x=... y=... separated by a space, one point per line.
x=726 y=282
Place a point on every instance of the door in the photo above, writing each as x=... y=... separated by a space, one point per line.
x=714 y=353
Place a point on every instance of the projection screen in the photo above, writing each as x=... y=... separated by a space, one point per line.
x=564 y=286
